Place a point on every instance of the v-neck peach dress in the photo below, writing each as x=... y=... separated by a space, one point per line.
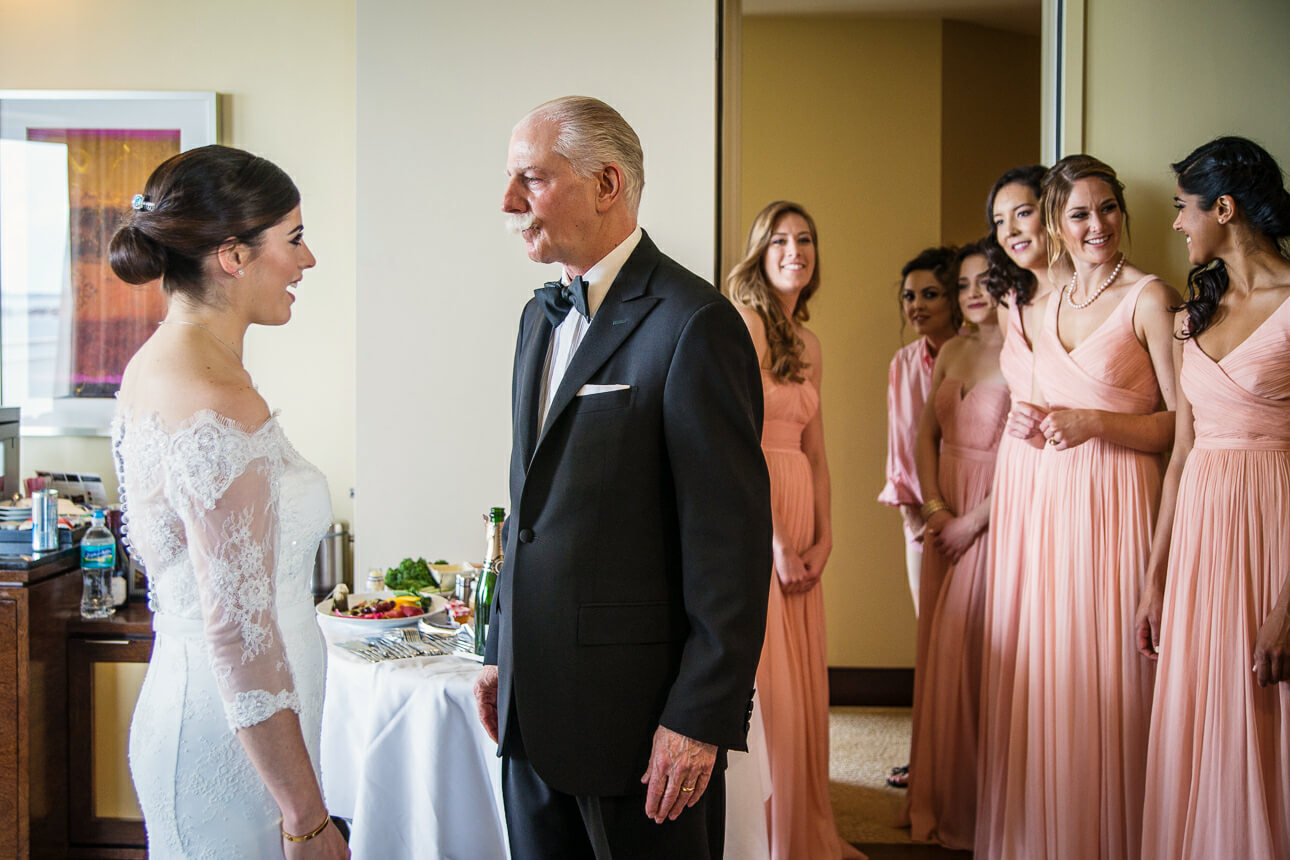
x=1011 y=511
x=1218 y=769
x=793 y=675
x=1082 y=694
x=941 y=806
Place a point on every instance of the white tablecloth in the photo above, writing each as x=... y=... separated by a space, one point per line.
x=405 y=758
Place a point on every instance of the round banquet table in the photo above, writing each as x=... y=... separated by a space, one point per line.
x=405 y=758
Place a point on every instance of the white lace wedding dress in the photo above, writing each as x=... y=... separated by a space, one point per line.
x=227 y=523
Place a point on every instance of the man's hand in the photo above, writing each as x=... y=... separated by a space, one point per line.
x=678 y=773
x=486 y=699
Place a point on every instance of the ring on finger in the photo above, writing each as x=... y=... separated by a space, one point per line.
x=687 y=788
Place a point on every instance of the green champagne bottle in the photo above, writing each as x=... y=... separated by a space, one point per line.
x=487 y=582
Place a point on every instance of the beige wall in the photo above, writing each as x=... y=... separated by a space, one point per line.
x=851 y=129
x=1163 y=77
x=989 y=119
x=441 y=283
x=286 y=71
x=890 y=132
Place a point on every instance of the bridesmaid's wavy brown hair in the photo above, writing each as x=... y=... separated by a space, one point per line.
x=748 y=287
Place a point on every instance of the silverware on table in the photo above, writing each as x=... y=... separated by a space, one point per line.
x=398 y=644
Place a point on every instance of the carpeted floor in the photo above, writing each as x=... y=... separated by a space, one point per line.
x=864 y=744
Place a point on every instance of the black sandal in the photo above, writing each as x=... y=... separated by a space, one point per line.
x=899 y=777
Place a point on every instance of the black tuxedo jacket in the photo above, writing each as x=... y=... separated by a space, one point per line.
x=638 y=554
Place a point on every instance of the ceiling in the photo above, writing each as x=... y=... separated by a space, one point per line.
x=1017 y=15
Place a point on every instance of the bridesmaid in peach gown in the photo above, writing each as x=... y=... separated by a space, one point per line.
x=1081 y=696
x=1218 y=767
x=957 y=442
x=771 y=287
x=1018 y=254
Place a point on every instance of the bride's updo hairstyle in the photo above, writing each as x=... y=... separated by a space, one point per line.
x=192 y=204
x=1244 y=171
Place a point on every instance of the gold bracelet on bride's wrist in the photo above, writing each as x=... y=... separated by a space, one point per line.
x=310 y=835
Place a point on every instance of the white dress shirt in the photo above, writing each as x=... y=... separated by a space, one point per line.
x=569 y=333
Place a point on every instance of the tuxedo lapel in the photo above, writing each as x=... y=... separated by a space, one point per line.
x=532 y=364
x=625 y=305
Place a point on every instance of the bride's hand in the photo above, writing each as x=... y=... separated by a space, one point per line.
x=328 y=845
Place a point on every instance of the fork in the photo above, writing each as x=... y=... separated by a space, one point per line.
x=394 y=648
x=360 y=650
x=418 y=642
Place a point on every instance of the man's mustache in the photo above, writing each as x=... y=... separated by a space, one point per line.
x=518 y=222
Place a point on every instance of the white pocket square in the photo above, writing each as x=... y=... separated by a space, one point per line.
x=600 y=389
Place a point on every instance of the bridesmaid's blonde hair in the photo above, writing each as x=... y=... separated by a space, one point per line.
x=748 y=287
x=1057 y=185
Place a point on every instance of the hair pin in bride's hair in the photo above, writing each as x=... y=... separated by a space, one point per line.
x=140 y=202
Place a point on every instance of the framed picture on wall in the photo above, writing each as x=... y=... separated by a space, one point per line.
x=70 y=163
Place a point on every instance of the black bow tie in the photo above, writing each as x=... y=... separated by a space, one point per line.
x=556 y=299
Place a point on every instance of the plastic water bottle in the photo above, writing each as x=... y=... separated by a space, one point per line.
x=98 y=561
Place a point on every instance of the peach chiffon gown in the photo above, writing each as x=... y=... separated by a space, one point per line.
x=1218 y=768
x=1082 y=694
x=792 y=678
x=1011 y=509
x=941 y=806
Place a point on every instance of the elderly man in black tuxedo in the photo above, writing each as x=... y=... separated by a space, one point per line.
x=630 y=612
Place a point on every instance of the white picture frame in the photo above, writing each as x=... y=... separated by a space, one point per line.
x=41 y=202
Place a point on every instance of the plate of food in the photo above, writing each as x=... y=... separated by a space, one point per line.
x=377 y=610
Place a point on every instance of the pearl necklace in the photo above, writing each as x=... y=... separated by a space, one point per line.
x=1070 y=288
x=236 y=354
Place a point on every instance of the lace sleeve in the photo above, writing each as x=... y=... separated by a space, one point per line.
x=225 y=488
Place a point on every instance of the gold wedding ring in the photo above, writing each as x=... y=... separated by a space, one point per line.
x=687 y=788
x=1052 y=441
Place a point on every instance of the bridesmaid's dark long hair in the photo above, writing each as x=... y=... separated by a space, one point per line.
x=1005 y=276
x=1244 y=171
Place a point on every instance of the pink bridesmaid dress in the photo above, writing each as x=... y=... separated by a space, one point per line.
x=941 y=806
x=792 y=678
x=1011 y=508
x=1218 y=769
x=1082 y=694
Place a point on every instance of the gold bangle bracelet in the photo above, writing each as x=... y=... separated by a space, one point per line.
x=310 y=835
x=932 y=506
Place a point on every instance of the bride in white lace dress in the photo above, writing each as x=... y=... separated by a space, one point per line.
x=226 y=517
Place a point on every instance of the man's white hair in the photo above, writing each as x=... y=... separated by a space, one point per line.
x=591 y=134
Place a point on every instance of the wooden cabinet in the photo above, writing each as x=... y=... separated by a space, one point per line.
x=38 y=597
x=13 y=814
x=105 y=664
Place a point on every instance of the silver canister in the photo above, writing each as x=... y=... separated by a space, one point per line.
x=464 y=587
x=331 y=562
x=44 y=520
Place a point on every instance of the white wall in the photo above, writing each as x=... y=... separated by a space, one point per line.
x=285 y=72
x=1164 y=76
x=440 y=284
